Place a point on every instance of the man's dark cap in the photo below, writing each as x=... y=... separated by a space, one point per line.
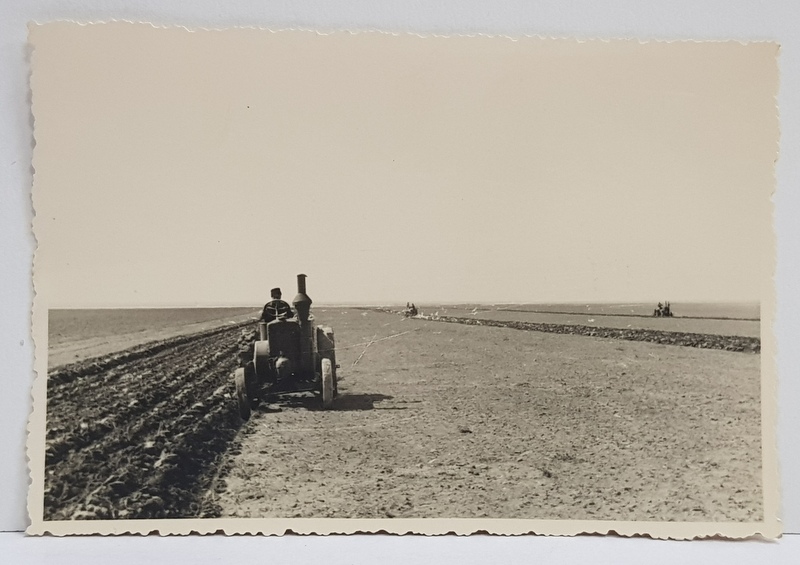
x=275 y=290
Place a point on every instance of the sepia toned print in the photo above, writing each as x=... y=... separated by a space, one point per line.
x=370 y=282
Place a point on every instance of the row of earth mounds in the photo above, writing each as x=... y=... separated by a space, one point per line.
x=627 y=315
x=684 y=339
x=138 y=435
x=96 y=365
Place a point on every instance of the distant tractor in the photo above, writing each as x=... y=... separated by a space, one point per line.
x=663 y=310
x=289 y=356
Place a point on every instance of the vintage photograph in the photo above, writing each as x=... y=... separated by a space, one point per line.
x=300 y=280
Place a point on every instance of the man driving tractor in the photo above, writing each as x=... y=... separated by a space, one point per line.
x=288 y=353
x=276 y=309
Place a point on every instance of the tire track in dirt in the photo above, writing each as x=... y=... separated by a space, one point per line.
x=135 y=434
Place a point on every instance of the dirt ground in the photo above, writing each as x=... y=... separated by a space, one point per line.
x=449 y=420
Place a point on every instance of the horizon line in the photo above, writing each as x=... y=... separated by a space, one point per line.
x=399 y=303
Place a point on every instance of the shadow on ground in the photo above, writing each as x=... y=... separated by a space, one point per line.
x=343 y=403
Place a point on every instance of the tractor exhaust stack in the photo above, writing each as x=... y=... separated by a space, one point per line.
x=302 y=302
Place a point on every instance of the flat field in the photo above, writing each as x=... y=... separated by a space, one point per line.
x=433 y=420
x=706 y=319
x=714 y=310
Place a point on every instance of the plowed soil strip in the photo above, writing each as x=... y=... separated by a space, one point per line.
x=135 y=434
x=625 y=315
x=684 y=339
x=99 y=364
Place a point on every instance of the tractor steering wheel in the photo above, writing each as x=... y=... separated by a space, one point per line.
x=272 y=310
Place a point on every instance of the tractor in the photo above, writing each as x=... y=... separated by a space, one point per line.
x=410 y=311
x=663 y=310
x=289 y=356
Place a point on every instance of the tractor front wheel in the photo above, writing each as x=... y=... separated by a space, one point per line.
x=242 y=395
x=327 y=384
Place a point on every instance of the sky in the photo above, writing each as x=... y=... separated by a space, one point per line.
x=178 y=168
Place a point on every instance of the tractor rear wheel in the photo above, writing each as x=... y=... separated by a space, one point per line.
x=327 y=349
x=327 y=384
x=242 y=395
x=251 y=383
